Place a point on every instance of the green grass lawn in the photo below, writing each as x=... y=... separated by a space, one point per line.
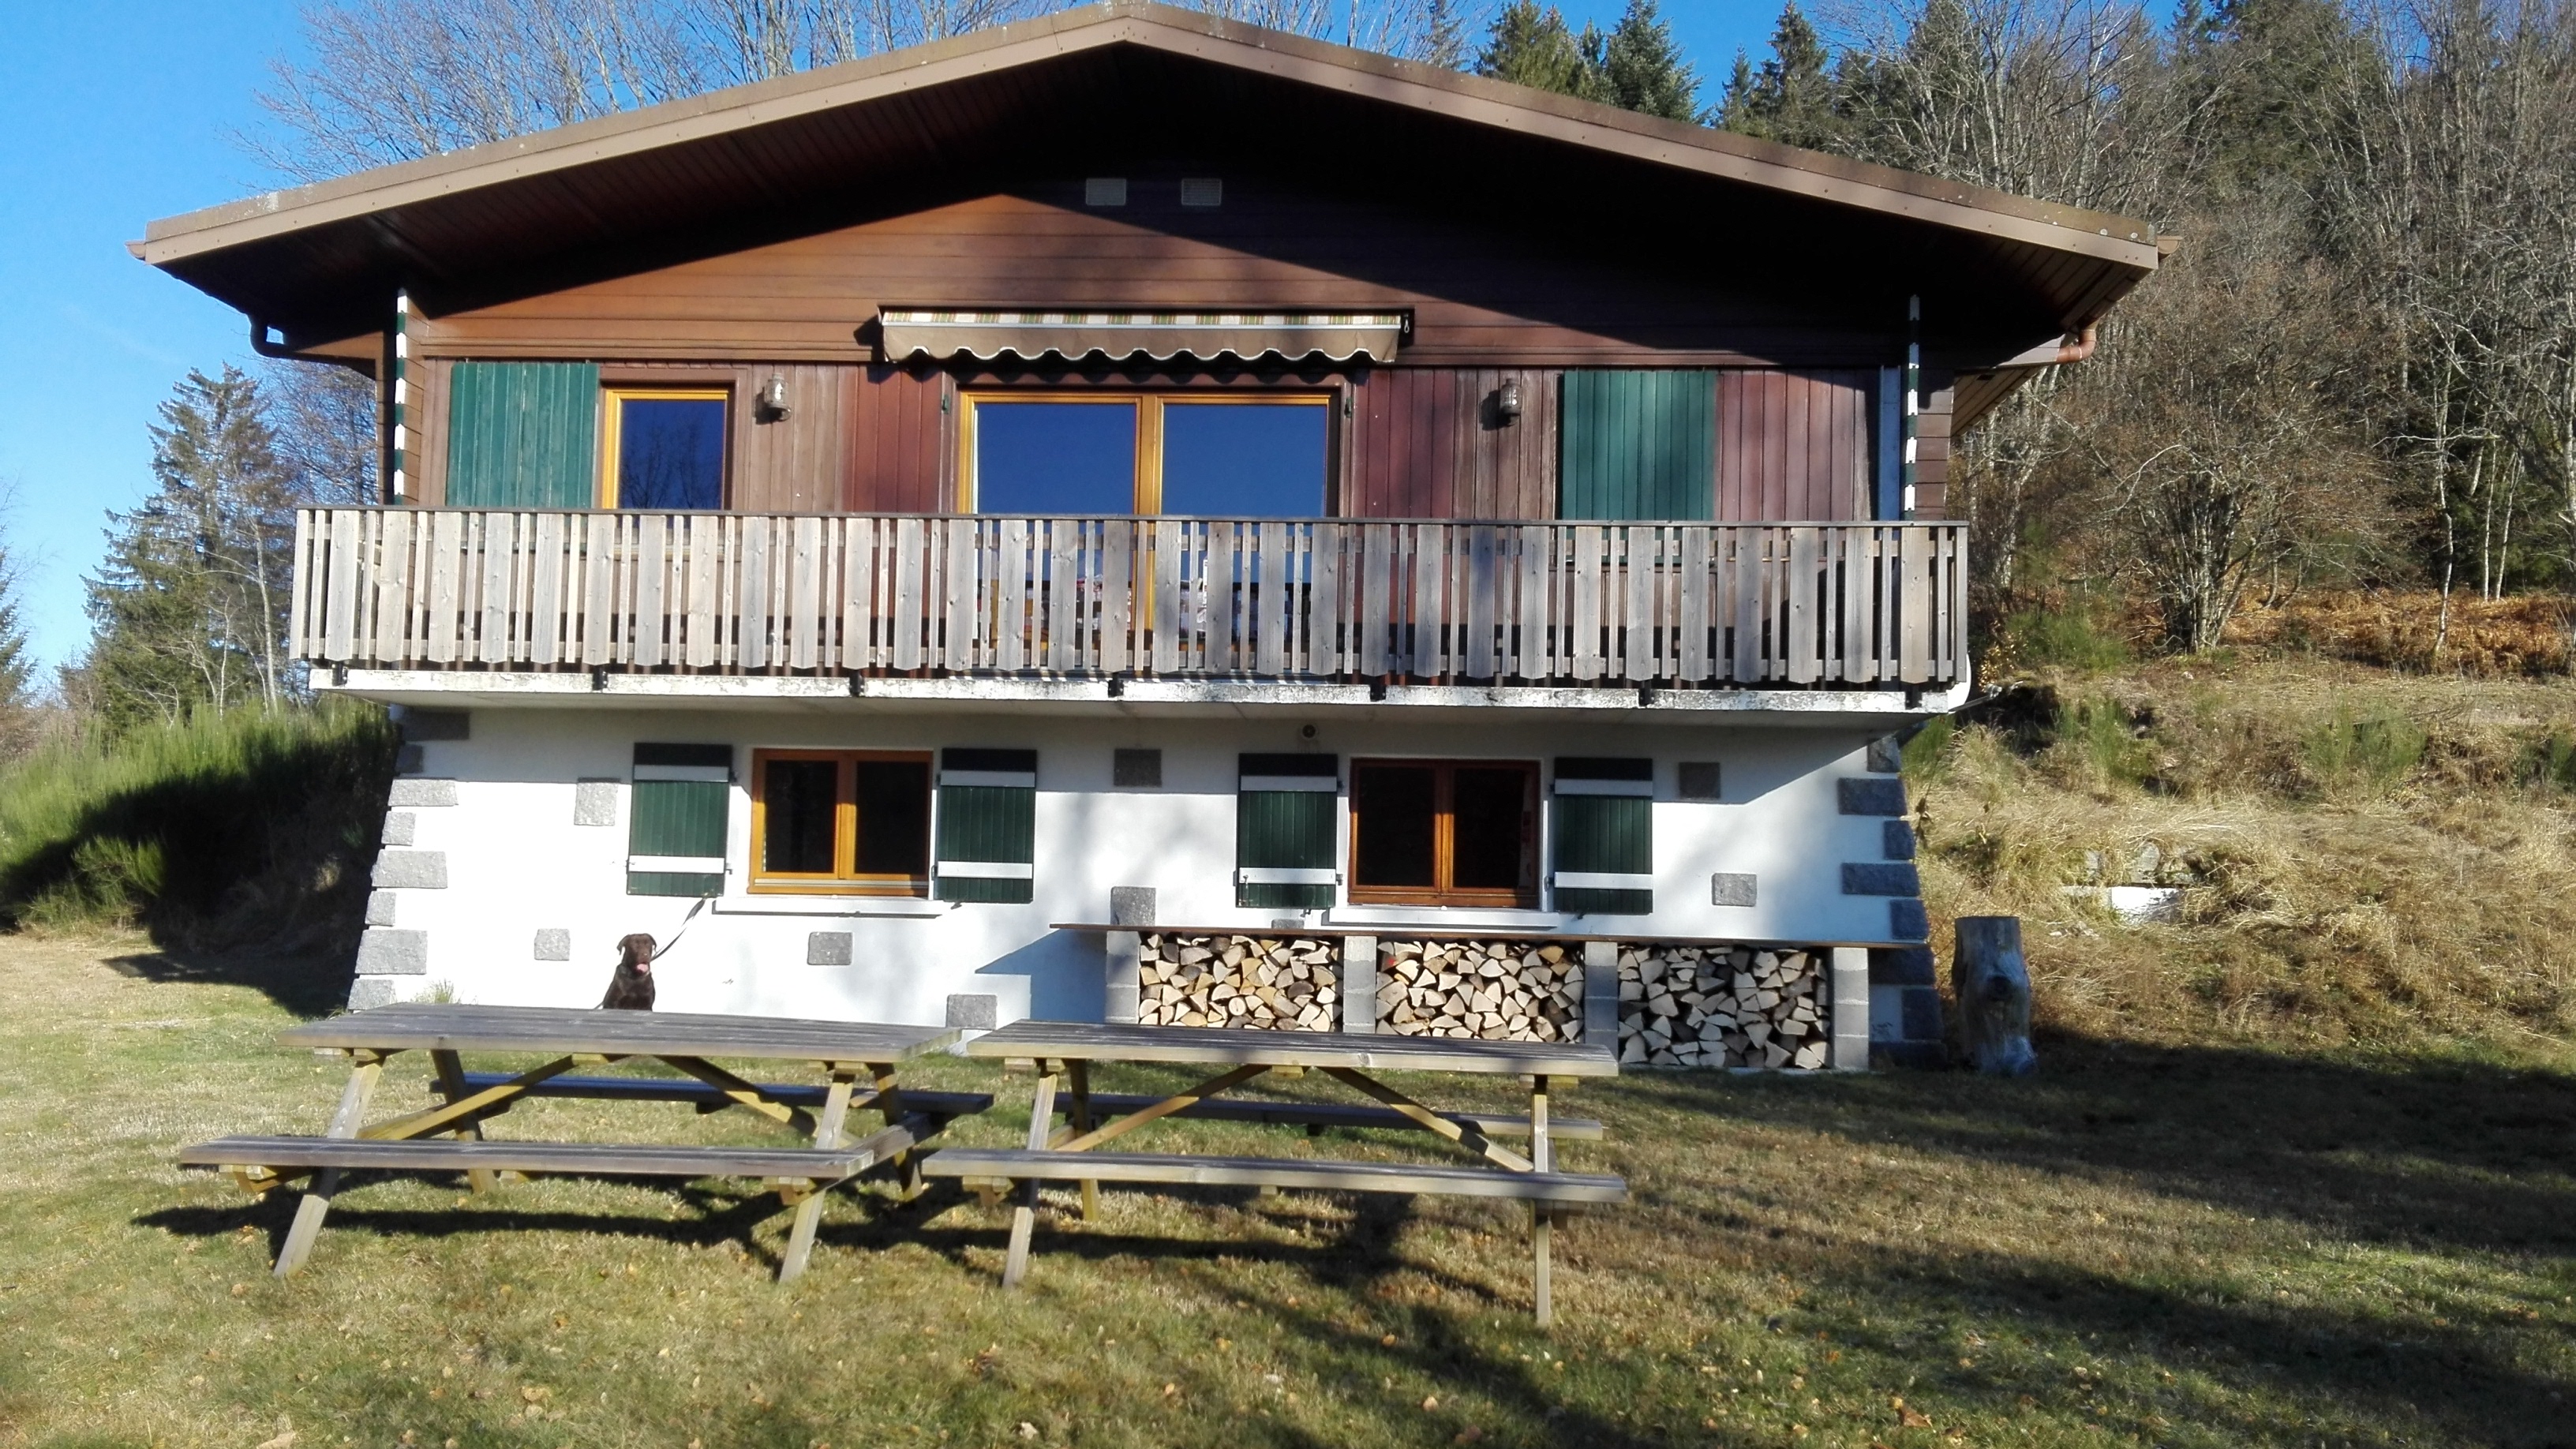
x=2141 y=1245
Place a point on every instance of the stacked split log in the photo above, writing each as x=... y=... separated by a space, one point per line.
x=1718 y=1006
x=1284 y=983
x=1488 y=990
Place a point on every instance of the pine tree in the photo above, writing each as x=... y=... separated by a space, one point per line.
x=16 y=670
x=1642 y=68
x=1792 y=98
x=189 y=606
x=1533 y=47
x=1444 y=35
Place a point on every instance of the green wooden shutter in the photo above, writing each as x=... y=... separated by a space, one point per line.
x=1605 y=837
x=1638 y=445
x=1286 y=814
x=675 y=820
x=988 y=826
x=522 y=435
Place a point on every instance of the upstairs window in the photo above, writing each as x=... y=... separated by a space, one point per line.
x=663 y=448
x=1190 y=455
x=841 y=822
x=1444 y=832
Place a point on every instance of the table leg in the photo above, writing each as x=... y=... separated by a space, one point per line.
x=1078 y=1076
x=317 y=1199
x=889 y=1104
x=1471 y=1138
x=1543 y=1158
x=1024 y=1217
x=809 y=1213
x=451 y=1082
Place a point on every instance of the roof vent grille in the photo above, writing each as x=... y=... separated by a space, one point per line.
x=1202 y=191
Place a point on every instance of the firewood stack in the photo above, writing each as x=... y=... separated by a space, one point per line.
x=1488 y=990
x=1275 y=982
x=1716 y=1006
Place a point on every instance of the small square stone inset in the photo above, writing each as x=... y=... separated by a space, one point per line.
x=1726 y=889
x=1136 y=769
x=974 y=1013
x=1131 y=905
x=827 y=948
x=1699 y=780
x=594 y=802
x=554 y=943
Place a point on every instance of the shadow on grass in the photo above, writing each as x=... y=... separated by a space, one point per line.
x=307 y=984
x=2412 y=1152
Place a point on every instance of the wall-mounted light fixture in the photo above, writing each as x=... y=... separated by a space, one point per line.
x=773 y=396
x=1507 y=403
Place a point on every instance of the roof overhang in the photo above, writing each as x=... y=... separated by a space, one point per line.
x=318 y=257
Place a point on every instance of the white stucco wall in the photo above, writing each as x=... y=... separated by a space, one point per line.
x=516 y=863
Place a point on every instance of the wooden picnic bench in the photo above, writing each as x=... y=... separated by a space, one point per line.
x=449 y=1136
x=1070 y=1154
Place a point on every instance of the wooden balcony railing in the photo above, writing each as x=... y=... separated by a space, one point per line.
x=1606 y=604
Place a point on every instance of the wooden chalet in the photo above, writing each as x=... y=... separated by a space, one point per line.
x=1128 y=469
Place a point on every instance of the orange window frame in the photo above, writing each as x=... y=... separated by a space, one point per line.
x=1147 y=496
x=613 y=399
x=1444 y=890
x=844 y=878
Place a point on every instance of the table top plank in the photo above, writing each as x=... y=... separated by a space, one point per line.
x=446 y=1026
x=1097 y=1041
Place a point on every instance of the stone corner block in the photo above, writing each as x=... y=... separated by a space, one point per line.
x=1870 y=796
x=1896 y=840
x=401 y=827
x=1881 y=878
x=386 y=952
x=416 y=870
x=1131 y=905
x=1901 y=966
x=380 y=908
x=1907 y=921
x=371 y=991
x=1728 y=889
x=1886 y=755
x=554 y=943
x=827 y=948
x=594 y=802
x=418 y=793
x=976 y=1012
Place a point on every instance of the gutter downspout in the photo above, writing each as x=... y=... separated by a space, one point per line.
x=260 y=344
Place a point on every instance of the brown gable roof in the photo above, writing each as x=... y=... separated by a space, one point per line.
x=323 y=253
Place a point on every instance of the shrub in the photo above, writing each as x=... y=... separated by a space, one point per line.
x=2373 y=750
x=226 y=830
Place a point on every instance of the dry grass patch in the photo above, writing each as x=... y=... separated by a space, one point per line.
x=2187 y=1245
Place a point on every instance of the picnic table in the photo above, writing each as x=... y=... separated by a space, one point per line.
x=1071 y=1154
x=856 y=1061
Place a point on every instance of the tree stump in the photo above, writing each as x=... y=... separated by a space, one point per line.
x=1993 y=987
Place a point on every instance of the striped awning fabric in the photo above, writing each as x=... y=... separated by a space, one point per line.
x=1334 y=336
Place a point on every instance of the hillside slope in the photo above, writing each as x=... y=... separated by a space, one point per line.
x=2364 y=856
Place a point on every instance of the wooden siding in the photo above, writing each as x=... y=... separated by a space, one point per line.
x=1794 y=445
x=792 y=464
x=1427 y=443
x=1932 y=453
x=895 y=441
x=1480 y=295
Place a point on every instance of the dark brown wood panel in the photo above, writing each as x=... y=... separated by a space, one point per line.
x=426 y=420
x=1431 y=443
x=1478 y=295
x=1793 y=445
x=792 y=464
x=895 y=441
x=1932 y=453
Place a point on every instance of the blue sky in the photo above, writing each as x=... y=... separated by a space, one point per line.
x=121 y=112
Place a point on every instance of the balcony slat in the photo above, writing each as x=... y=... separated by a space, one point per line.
x=1853 y=605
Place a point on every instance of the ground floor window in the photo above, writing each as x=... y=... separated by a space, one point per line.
x=841 y=821
x=1444 y=832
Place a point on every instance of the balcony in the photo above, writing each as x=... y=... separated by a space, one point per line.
x=1504 y=605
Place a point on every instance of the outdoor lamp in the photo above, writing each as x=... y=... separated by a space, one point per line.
x=773 y=396
x=1507 y=402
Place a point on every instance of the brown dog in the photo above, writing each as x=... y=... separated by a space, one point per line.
x=631 y=989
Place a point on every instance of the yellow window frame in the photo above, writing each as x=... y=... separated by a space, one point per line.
x=1147 y=500
x=844 y=878
x=612 y=425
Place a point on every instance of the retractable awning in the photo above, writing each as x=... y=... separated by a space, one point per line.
x=1206 y=336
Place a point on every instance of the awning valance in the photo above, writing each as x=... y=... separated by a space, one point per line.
x=1206 y=336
